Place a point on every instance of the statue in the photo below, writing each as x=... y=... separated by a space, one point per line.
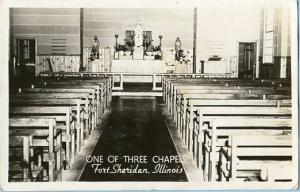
x=95 y=48
x=178 y=51
x=177 y=45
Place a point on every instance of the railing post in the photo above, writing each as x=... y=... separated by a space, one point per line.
x=121 y=81
x=112 y=81
x=162 y=81
x=154 y=81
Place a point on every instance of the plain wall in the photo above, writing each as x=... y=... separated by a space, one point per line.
x=48 y=26
x=168 y=22
x=220 y=28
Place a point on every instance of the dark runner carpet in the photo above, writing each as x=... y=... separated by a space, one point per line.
x=135 y=128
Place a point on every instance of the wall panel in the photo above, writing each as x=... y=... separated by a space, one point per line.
x=57 y=32
x=47 y=25
x=45 y=11
x=170 y=23
x=45 y=29
x=65 y=20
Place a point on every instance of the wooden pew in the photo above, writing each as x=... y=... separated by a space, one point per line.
x=237 y=82
x=207 y=88
x=20 y=169
x=217 y=85
x=77 y=107
x=103 y=86
x=196 y=130
x=99 y=94
x=243 y=89
x=219 y=89
x=73 y=85
x=167 y=88
x=89 y=116
x=167 y=81
x=218 y=96
x=221 y=127
x=108 y=78
x=64 y=121
x=62 y=89
x=181 y=106
x=187 y=90
x=283 y=82
x=96 y=103
x=189 y=109
x=258 y=158
x=166 y=84
x=105 y=81
x=45 y=136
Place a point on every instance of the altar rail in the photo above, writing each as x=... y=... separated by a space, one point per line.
x=120 y=78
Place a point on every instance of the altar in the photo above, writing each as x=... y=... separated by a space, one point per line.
x=138 y=54
x=140 y=66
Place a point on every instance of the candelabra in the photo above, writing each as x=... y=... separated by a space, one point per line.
x=145 y=43
x=116 y=53
x=160 y=37
x=116 y=36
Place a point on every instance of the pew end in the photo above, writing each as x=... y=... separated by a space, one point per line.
x=257 y=158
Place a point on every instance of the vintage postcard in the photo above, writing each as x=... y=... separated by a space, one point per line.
x=148 y=95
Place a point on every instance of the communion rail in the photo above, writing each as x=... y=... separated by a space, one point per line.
x=120 y=78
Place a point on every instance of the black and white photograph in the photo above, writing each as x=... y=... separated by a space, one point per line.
x=148 y=95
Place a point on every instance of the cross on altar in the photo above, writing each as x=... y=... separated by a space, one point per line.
x=138 y=35
x=138 y=48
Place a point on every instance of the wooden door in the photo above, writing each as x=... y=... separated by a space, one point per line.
x=26 y=55
x=247 y=59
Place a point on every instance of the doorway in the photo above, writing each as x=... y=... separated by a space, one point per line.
x=25 y=58
x=247 y=60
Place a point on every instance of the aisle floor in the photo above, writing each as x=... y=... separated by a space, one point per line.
x=135 y=127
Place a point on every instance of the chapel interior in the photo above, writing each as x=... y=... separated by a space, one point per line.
x=203 y=93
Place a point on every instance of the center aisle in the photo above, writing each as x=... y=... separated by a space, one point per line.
x=135 y=128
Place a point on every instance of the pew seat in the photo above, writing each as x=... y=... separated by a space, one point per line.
x=45 y=137
x=20 y=162
x=220 y=130
x=256 y=158
x=64 y=122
